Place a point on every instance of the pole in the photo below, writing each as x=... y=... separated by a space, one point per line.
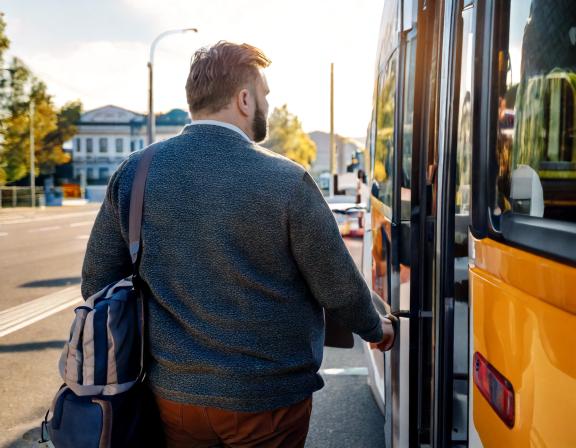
x=332 y=143
x=83 y=182
x=32 y=157
x=151 y=122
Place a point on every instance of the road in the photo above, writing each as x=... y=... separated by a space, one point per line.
x=41 y=251
x=42 y=254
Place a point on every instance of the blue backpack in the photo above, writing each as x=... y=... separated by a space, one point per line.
x=103 y=402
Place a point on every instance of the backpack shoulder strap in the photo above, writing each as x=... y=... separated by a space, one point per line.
x=137 y=202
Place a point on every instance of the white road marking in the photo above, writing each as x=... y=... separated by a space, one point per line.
x=349 y=371
x=3 y=234
x=44 y=229
x=81 y=223
x=46 y=218
x=21 y=316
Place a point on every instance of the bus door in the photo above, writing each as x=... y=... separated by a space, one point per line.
x=394 y=168
x=384 y=225
x=450 y=302
x=384 y=212
x=418 y=191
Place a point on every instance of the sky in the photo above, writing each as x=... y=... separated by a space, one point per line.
x=97 y=51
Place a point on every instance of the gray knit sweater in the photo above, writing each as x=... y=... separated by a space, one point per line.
x=241 y=254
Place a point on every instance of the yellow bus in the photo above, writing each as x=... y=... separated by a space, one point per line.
x=471 y=234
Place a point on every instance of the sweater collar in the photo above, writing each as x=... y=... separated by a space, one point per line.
x=223 y=124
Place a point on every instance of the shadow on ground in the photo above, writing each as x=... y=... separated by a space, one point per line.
x=31 y=346
x=28 y=440
x=64 y=281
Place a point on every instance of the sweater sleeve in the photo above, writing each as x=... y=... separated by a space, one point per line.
x=107 y=257
x=326 y=264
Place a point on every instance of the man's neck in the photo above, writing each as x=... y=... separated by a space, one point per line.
x=225 y=116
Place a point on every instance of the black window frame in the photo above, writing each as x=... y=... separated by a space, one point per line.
x=103 y=172
x=119 y=145
x=103 y=145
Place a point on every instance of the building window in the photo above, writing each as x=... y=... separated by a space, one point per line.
x=90 y=173
x=89 y=143
x=132 y=145
x=141 y=143
x=103 y=173
x=119 y=145
x=103 y=144
x=77 y=144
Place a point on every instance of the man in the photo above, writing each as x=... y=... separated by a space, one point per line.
x=241 y=255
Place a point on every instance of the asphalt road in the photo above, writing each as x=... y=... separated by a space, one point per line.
x=41 y=253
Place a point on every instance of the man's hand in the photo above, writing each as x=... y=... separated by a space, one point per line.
x=389 y=336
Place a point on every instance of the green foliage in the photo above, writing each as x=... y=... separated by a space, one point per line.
x=4 y=41
x=287 y=137
x=52 y=127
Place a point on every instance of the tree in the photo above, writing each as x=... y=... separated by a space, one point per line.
x=52 y=126
x=4 y=44
x=52 y=153
x=287 y=137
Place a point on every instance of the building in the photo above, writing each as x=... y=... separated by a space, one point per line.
x=349 y=156
x=347 y=150
x=107 y=135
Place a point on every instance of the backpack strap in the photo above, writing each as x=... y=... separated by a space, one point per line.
x=136 y=204
x=134 y=231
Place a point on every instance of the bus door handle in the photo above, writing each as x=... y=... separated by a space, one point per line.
x=394 y=317
x=401 y=313
x=383 y=308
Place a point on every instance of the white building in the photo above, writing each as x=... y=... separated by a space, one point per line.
x=349 y=155
x=107 y=135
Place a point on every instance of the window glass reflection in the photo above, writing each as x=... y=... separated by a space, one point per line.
x=536 y=140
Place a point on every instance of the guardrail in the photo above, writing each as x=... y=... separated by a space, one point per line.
x=21 y=197
x=11 y=197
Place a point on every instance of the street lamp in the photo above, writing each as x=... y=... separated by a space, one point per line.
x=32 y=155
x=151 y=121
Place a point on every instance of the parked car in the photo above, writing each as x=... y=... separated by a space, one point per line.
x=349 y=215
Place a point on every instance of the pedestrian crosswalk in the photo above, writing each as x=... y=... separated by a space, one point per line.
x=21 y=316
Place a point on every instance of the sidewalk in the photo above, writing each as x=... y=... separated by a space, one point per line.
x=344 y=412
x=20 y=215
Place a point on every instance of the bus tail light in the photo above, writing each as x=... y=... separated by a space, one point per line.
x=495 y=388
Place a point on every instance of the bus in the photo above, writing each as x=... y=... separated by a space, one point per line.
x=471 y=223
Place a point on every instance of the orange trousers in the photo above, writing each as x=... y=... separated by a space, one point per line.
x=193 y=426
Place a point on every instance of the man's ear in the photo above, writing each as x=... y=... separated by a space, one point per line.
x=243 y=101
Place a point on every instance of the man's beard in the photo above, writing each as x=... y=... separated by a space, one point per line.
x=259 y=125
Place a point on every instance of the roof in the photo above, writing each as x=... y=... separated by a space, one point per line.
x=115 y=115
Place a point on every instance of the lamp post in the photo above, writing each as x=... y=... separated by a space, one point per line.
x=151 y=122
x=32 y=155
x=333 y=170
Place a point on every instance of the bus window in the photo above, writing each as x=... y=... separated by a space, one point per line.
x=536 y=137
x=464 y=135
x=407 y=128
x=384 y=151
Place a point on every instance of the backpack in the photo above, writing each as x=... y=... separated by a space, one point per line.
x=103 y=402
